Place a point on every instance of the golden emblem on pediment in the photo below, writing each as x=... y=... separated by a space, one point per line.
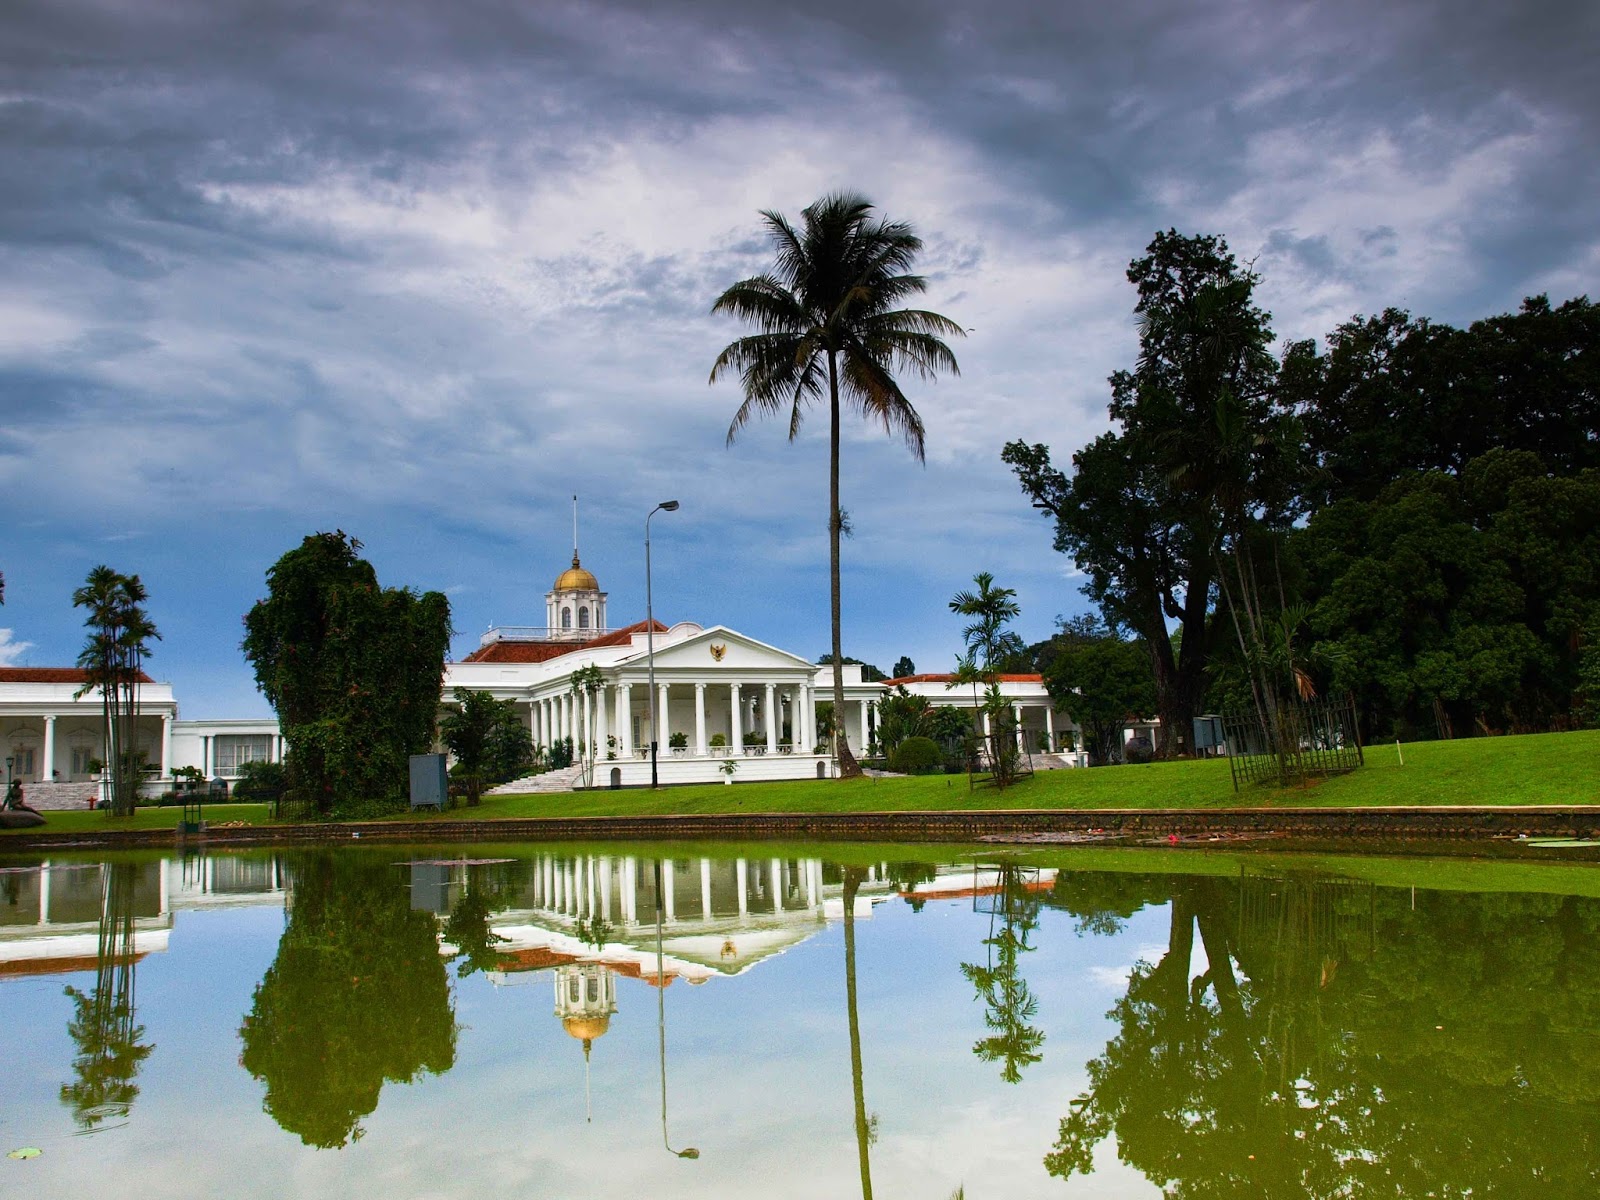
x=717 y=652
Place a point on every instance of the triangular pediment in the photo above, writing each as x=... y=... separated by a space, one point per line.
x=721 y=649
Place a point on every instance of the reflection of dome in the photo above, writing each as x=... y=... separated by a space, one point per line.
x=586 y=1029
x=576 y=579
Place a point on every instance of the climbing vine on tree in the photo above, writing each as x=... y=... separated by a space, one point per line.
x=353 y=669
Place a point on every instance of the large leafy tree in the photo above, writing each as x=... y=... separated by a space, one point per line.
x=1392 y=394
x=120 y=632
x=1200 y=459
x=1098 y=678
x=354 y=671
x=830 y=330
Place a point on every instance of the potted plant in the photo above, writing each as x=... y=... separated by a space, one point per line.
x=727 y=768
x=755 y=742
x=678 y=743
x=719 y=741
x=611 y=746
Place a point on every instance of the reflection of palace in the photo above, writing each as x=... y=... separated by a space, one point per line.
x=51 y=912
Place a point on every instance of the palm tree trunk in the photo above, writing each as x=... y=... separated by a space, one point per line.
x=848 y=767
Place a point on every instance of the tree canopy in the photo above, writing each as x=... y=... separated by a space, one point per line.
x=354 y=671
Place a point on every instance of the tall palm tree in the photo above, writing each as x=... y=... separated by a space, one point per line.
x=829 y=330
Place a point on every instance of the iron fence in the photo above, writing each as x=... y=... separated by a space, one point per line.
x=1297 y=740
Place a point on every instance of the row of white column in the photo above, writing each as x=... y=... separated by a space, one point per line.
x=1016 y=712
x=569 y=714
x=47 y=768
x=582 y=888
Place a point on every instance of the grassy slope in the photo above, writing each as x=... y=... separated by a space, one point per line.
x=1557 y=768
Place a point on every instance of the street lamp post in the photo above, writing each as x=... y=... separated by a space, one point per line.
x=661 y=1024
x=650 y=631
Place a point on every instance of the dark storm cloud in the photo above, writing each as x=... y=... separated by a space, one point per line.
x=443 y=263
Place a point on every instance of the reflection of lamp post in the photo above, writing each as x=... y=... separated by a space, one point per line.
x=650 y=631
x=661 y=1024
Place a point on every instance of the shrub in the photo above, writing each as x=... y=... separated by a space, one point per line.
x=678 y=741
x=260 y=782
x=718 y=740
x=917 y=756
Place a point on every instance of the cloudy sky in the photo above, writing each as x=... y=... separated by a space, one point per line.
x=421 y=271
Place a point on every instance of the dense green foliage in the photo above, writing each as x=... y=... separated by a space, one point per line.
x=1345 y=1040
x=917 y=756
x=1409 y=515
x=354 y=671
x=830 y=330
x=112 y=659
x=1099 y=680
x=357 y=997
x=488 y=739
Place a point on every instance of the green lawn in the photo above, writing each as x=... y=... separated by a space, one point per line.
x=1556 y=768
x=169 y=817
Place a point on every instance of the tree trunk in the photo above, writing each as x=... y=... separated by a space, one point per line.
x=848 y=767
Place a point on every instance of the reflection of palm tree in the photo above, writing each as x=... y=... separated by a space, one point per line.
x=1009 y=1003
x=852 y=883
x=103 y=1025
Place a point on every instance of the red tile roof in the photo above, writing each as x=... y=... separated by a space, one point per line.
x=951 y=679
x=538 y=652
x=51 y=675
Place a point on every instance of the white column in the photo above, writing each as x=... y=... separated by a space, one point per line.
x=700 y=746
x=205 y=756
x=705 y=888
x=866 y=731
x=735 y=721
x=601 y=732
x=624 y=724
x=1050 y=726
x=775 y=868
x=772 y=718
x=50 y=749
x=1016 y=714
x=805 y=735
x=741 y=879
x=630 y=889
x=667 y=890
x=166 y=747
x=586 y=718
x=986 y=729
x=811 y=868
x=605 y=887
x=664 y=724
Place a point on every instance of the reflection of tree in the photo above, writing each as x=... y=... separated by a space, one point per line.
x=103 y=1025
x=357 y=996
x=1009 y=1004
x=489 y=888
x=853 y=877
x=1365 y=1050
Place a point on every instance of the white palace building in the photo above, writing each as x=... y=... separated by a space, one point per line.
x=721 y=696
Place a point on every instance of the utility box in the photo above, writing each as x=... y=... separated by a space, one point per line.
x=1207 y=734
x=430 y=783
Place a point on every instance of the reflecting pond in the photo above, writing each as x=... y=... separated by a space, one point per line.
x=550 y=1021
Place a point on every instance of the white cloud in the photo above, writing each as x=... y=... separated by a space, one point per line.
x=11 y=650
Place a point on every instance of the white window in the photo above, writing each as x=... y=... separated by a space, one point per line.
x=81 y=756
x=583 y=618
x=566 y=618
x=21 y=761
x=230 y=751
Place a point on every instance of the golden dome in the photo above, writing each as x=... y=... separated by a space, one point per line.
x=586 y=1029
x=576 y=579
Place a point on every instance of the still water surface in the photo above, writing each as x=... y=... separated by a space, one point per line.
x=545 y=1022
